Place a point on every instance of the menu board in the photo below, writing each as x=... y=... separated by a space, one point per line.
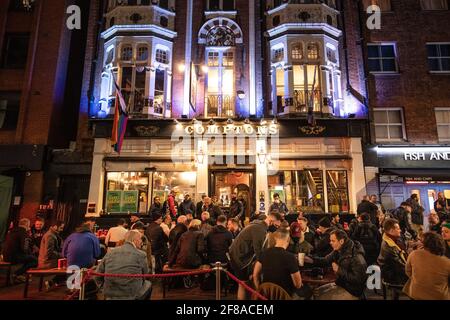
x=113 y=201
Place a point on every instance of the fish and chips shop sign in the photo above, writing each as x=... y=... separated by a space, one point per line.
x=411 y=157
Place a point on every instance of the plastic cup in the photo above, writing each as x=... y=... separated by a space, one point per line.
x=301 y=259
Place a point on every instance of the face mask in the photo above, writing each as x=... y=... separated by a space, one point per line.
x=277 y=201
x=272 y=229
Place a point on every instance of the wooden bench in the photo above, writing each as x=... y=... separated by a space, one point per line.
x=8 y=267
x=176 y=269
x=41 y=273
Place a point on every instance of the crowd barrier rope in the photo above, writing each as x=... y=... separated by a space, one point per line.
x=86 y=275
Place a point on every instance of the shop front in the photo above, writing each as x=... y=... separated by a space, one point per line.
x=315 y=172
x=396 y=172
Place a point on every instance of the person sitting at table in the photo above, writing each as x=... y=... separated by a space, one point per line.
x=146 y=247
x=335 y=221
x=134 y=219
x=298 y=243
x=392 y=257
x=368 y=235
x=321 y=244
x=158 y=239
x=302 y=225
x=349 y=265
x=190 y=248
x=175 y=234
x=167 y=225
x=82 y=247
x=218 y=241
x=50 y=251
x=37 y=233
x=17 y=249
x=207 y=223
x=233 y=227
x=428 y=270
x=126 y=259
x=278 y=266
x=116 y=234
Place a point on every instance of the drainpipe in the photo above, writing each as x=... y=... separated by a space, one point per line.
x=101 y=24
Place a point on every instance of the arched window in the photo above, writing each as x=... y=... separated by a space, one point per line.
x=313 y=51
x=297 y=51
x=142 y=53
x=278 y=55
x=220 y=36
x=127 y=53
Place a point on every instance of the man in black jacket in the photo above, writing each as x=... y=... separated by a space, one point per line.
x=236 y=207
x=218 y=242
x=176 y=232
x=349 y=265
x=247 y=247
x=214 y=211
x=403 y=216
x=17 y=249
x=416 y=212
x=367 y=234
x=190 y=247
x=199 y=208
x=158 y=239
x=368 y=207
x=321 y=243
x=187 y=205
x=156 y=207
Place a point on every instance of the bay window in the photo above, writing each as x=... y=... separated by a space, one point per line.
x=307 y=87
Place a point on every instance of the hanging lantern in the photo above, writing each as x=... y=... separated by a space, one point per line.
x=28 y=4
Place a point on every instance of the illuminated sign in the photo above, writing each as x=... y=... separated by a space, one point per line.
x=232 y=129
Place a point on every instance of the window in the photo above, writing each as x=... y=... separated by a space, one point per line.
x=220 y=88
x=218 y=5
x=382 y=58
x=307 y=87
x=439 y=57
x=142 y=53
x=9 y=109
x=385 y=5
x=434 y=4
x=337 y=191
x=15 y=51
x=127 y=53
x=313 y=51
x=162 y=56
x=297 y=51
x=443 y=123
x=160 y=84
x=389 y=124
x=331 y=55
x=300 y=190
x=278 y=55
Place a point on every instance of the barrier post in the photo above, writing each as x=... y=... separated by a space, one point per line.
x=82 y=284
x=218 y=284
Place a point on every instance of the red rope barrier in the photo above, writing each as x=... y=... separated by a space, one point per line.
x=165 y=275
x=249 y=289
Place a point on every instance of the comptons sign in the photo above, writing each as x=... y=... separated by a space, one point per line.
x=232 y=129
x=422 y=156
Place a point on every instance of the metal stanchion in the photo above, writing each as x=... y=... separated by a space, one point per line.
x=83 y=285
x=218 y=285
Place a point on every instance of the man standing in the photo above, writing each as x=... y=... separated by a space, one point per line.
x=218 y=241
x=199 y=208
x=135 y=220
x=170 y=205
x=367 y=234
x=349 y=265
x=247 y=247
x=236 y=207
x=156 y=207
x=17 y=249
x=403 y=216
x=441 y=207
x=186 y=206
x=278 y=205
x=126 y=259
x=416 y=212
x=368 y=207
x=214 y=210
x=158 y=239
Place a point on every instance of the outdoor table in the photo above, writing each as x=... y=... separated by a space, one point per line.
x=41 y=273
x=313 y=281
x=8 y=267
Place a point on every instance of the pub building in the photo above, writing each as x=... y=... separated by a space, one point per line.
x=396 y=172
x=219 y=103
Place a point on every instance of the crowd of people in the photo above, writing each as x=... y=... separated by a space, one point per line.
x=264 y=252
